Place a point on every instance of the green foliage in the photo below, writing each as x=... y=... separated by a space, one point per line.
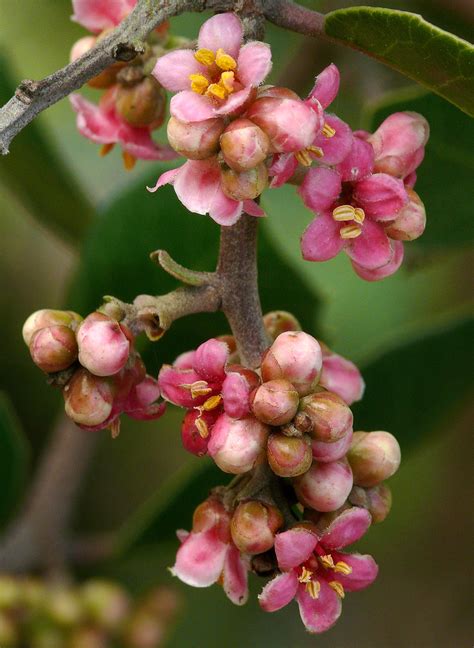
x=441 y=61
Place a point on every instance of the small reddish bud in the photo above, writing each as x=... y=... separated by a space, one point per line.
x=211 y=514
x=103 y=345
x=374 y=457
x=341 y=376
x=277 y=322
x=196 y=430
x=237 y=445
x=410 y=222
x=196 y=140
x=332 y=451
x=254 y=525
x=105 y=603
x=331 y=418
x=244 y=145
x=296 y=357
x=142 y=104
x=377 y=500
x=275 y=402
x=237 y=387
x=325 y=486
x=245 y=185
x=53 y=348
x=88 y=399
x=47 y=317
x=289 y=456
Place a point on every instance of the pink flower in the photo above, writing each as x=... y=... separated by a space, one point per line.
x=198 y=186
x=97 y=15
x=341 y=376
x=217 y=79
x=101 y=124
x=316 y=573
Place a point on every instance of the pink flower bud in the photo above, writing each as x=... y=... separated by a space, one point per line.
x=211 y=514
x=195 y=140
x=296 y=357
x=377 y=500
x=88 y=399
x=254 y=525
x=325 y=486
x=210 y=359
x=240 y=382
x=342 y=377
x=82 y=46
x=237 y=445
x=47 y=317
x=410 y=222
x=374 y=457
x=196 y=430
x=289 y=456
x=331 y=418
x=245 y=185
x=53 y=348
x=244 y=145
x=332 y=451
x=103 y=345
x=277 y=322
x=275 y=402
x=142 y=402
x=142 y=104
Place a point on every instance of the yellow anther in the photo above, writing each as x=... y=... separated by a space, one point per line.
x=211 y=403
x=342 y=567
x=338 y=588
x=205 y=56
x=313 y=588
x=350 y=231
x=129 y=160
x=359 y=215
x=317 y=151
x=328 y=131
x=105 y=149
x=202 y=427
x=227 y=81
x=327 y=561
x=305 y=576
x=197 y=388
x=344 y=213
x=303 y=158
x=217 y=91
x=199 y=83
x=225 y=61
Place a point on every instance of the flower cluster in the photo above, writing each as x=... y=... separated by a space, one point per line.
x=95 y=362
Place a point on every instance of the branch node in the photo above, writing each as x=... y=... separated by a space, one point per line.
x=26 y=91
x=127 y=51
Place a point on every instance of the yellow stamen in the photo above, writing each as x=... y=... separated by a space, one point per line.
x=129 y=160
x=211 y=403
x=350 y=231
x=313 y=588
x=359 y=215
x=199 y=83
x=344 y=213
x=115 y=428
x=303 y=158
x=202 y=427
x=217 y=91
x=342 y=567
x=327 y=561
x=338 y=588
x=225 y=61
x=317 y=151
x=205 y=56
x=328 y=131
x=197 y=388
x=105 y=149
x=227 y=81
x=305 y=576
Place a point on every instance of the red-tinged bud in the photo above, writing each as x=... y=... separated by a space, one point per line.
x=410 y=222
x=88 y=638
x=289 y=456
x=54 y=348
x=211 y=514
x=47 y=317
x=331 y=418
x=277 y=322
x=196 y=430
x=237 y=388
x=377 y=500
x=254 y=525
x=88 y=399
x=9 y=635
x=244 y=145
x=105 y=603
x=143 y=104
x=341 y=376
x=63 y=606
x=374 y=457
x=332 y=451
x=296 y=357
x=104 y=345
x=245 y=185
x=325 y=486
x=82 y=46
x=238 y=445
x=196 y=140
x=275 y=402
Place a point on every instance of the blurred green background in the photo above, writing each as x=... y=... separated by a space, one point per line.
x=75 y=226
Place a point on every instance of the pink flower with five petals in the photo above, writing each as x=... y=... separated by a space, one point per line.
x=97 y=15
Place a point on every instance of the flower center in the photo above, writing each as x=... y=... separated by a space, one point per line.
x=354 y=216
x=312 y=586
x=219 y=80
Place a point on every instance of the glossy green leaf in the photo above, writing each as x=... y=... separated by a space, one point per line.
x=437 y=59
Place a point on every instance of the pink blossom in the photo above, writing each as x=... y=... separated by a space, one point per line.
x=97 y=15
x=220 y=77
x=316 y=573
x=341 y=376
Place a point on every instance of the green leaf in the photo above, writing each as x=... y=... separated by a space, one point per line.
x=440 y=61
x=39 y=179
x=14 y=458
x=412 y=390
x=444 y=180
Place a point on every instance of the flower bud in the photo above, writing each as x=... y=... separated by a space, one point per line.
x=342 y=377
x=277 y=322
x=195 y=140
x=254 y=525
x=143 y=104
x=277 y=92
x=325 y=486
x=275 y=402
x=245 y=185
x=331 y=418
x=211 y=514
x=377 y=500
x=296 y=357
x=196 y=430
x=47 y=317
x=244 y=145
x=289 y=456
x=105 y=603
x=410 y=222
x=88 y=399
x=237 y=445
x=374 y=457
x=210 y=359
x=237 y=387
x=332 y=451
x=53 y=348
x=103 y=345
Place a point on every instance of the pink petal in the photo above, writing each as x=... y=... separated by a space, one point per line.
x=410 y=180
x=386 y=270
x=359 y=163
x=320 y=614
x=342 y=377
x=171 y=383
x=93 y=122
x=278 y=592
x=254 y=63
x=235 y=101
x=236 y=395
x=321 y=240
x=294 y=547
x=381 y=196
x=184 y=360
x=347 y=528
x=327 y=452
x=282 y=168
x=222 y=31
x=372 y=248
x=326 y=86
x=338 y=147
x=364 y=571
x=251 y=208
x=224 y=210
x=234 y=579
x=320 y=188
x=197 y=184
x=142 y=404
x=168 y=177
x=172 y=70
x=97 y=15
x=200 y=559
x=139 y=143
x=188 y=106
x=182 y=534
x=210 y=359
